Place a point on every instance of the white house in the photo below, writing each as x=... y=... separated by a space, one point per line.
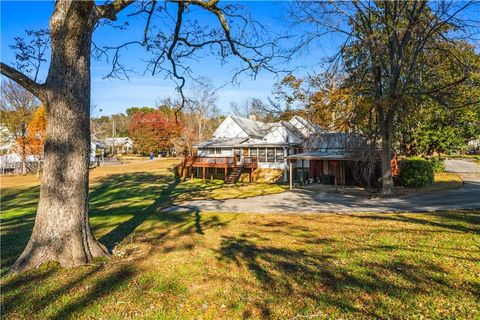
x=269 y=151
x=122 y=145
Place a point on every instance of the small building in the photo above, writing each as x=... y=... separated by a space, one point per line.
x=474 y=146
x=97 y=151
x=116 y=146
x=295 y=150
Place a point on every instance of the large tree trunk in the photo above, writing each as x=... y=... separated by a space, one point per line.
x=386 y=123
x=61 y=231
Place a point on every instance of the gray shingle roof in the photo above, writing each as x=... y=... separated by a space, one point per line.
x=335 y=141
x=253 y=128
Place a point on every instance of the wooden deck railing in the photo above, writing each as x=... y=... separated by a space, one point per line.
x=220 y=162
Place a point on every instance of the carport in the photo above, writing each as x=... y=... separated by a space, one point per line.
x=319 y=164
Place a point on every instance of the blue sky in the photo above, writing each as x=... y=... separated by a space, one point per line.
x=113 y=96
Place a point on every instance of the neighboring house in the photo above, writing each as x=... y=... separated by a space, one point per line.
x=97 y=150
x=474 y=146
x=6 y=137
x=118 y=145
x=294 y=150
x=10 y=160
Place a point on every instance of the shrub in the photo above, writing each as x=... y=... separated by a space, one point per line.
x=437 y=164
x=415 y=172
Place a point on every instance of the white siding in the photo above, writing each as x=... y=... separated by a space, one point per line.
x=280 y=134
x=227 y=152
x=229 y=129
x=301 y=126
x=203 y=152
x=224 y=152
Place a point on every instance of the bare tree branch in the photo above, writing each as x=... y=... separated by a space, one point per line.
x=20 y=78
x=110 y=10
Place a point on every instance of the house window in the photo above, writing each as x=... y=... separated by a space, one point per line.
x=279 y=155
x=219 y=171
x=254 y=152
x=271 y=155
x=261 y=155
x=211 y=151
x=218 y=151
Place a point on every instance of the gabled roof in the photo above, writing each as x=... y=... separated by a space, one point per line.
x=251 y=127
x=117 y=141
x=305 y=124
x=250 y=132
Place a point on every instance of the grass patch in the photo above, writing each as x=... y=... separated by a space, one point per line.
x=217 y=190
x=229 y=266
x=443 y=181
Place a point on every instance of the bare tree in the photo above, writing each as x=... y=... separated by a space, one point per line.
x=61 y=231
x=16 y=111
x=202 y=105
x=385 y=46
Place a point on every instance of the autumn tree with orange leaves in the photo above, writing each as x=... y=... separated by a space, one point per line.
x=36 y=131
x=154 y=131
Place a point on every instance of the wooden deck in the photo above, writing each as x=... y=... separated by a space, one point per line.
x=220 y=162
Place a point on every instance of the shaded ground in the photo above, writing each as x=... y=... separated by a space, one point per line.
x=311 y=201
x=230 y=266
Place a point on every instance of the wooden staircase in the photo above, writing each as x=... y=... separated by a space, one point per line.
x=235 y=174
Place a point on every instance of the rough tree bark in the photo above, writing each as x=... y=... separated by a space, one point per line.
x=386 y=131
x=61 y=231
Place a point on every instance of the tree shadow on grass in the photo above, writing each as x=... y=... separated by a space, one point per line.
x=119 y=204
x=361 y=279
x=461 y=220
x=105 y=286
x=322 y=282
x=86 y=288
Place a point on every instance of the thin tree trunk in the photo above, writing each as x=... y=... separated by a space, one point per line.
x=386 y=123
x=61 y=231
x=24 y=166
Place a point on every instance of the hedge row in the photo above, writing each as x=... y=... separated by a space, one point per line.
x=415 y=172
x=437 y=164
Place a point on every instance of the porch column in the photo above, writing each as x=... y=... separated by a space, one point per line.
x=225 y=170
x=291 y=174
x=204 y=173
x=303 y=172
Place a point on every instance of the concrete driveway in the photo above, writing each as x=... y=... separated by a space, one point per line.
x=310 y=201
x=461 y=166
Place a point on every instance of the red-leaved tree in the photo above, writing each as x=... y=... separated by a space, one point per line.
x=154 y=131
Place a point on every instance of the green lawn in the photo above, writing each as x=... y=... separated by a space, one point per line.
x=197 y=265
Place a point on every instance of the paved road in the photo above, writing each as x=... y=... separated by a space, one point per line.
x=309 y=201
x=454 y=165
